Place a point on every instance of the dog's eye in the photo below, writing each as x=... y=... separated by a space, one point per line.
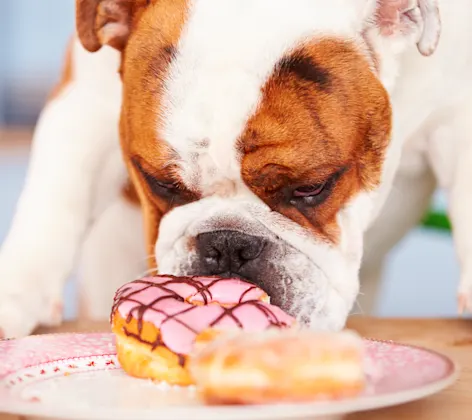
x=309 y=195
x=173 y=193
x=309 y=190
x=158 y=187
x=314 y=194
x=161 y=188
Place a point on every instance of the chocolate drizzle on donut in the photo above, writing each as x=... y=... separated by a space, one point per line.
x=127 y=294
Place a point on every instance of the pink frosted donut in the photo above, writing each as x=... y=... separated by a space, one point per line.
x=157 y=320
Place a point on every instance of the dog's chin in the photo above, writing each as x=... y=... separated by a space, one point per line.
x=316 y=307
x=294 y=282
x=320 y=309
x=289 y=293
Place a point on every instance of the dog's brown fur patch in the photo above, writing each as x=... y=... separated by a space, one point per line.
x=323 y=110
x=145 y=64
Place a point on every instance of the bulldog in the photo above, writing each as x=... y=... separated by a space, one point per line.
x=291 y=143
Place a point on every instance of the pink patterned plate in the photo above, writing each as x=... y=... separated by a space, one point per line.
x=77 y=376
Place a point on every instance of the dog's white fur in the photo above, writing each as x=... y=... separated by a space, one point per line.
x=74 y=176
x=71 y=207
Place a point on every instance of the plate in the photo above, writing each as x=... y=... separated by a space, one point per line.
x=77 y=376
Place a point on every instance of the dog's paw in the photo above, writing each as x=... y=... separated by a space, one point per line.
x=29 y=296
x=19 y=318
x=16 y=318
x=20 y=299
x=464 y=302
x=464 y=299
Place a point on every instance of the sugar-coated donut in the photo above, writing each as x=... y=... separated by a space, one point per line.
x=279 y=366
x=158 y=321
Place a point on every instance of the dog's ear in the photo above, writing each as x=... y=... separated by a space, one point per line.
x=395 y=17
x=106 y=22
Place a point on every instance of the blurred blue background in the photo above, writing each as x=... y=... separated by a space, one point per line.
x=422 y=273
x=33 y=35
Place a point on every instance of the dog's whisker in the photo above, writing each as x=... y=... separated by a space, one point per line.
x=356 y=313
x=361 y=311
x=146 y=272
x=148 y=257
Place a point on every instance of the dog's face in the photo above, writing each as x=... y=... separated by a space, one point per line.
x=255 y=134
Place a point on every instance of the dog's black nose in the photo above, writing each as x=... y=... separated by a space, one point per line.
x=227 y=252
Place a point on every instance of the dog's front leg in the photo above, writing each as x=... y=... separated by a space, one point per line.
x=73 y=135
x=451 y=157
x=460 y=210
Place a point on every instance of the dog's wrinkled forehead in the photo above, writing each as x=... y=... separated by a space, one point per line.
x=211 y=60
x=214 y=83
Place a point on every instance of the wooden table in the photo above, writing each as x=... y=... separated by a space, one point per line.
x=451 y=337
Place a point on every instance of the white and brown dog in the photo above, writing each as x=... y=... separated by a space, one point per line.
x=275 y=140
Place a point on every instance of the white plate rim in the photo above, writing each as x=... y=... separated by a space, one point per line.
x=250 y=412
